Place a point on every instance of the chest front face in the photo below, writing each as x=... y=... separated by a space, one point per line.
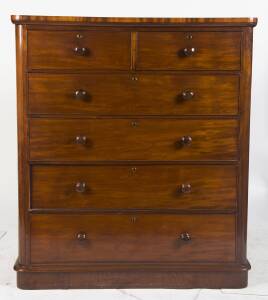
x=133 y=153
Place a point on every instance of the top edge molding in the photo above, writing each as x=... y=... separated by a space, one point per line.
x=64 y=20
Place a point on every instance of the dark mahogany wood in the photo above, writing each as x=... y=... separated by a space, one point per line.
x=132 y=279
x=140 y=187
x=178 y=51
x=68 y=50
x=43 y=20
x=150 y=94
x=118 y=238
x=133 y=138
x=121 y=139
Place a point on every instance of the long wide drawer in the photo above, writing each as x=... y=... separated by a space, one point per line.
x=134 y=187
x=126 y=139
x=86 y=49
x=189 y=51
x=132 y=238
x=140 y=94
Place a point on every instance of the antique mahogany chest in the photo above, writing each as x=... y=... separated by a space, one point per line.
x=133 y=141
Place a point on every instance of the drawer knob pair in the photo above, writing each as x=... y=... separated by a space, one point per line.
x=189 y=51
x=81 y=236
x=81 y=51
x=185 y=236
x=81 y=139
x=80 y=187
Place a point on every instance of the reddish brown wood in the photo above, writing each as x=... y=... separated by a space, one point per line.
x=151 y=238
x=64 y=50
x=176 y=51
x=141 y=187
x=22 y=19
x=22 y=125
x=133 y=151
x=245 y=92
x=117 y=139
x=151 y=94
x=133 y=279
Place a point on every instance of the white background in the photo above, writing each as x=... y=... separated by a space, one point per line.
x=258 y=187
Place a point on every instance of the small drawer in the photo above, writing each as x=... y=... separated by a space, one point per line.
x=55 y=49
x=133 y=139
x=139 y=94
x=134 y=187
x=132 y=238
x=189 y=50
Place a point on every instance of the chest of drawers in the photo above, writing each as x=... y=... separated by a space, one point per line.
x=133 y=142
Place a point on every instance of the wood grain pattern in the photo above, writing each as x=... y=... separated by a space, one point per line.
x=149 y=237
x=213 y=51
x=124 y=139
x=134 y=187
x=104 y=50
x=151 y=94
x=24 y=19
x=133 y=279
x=133 y=141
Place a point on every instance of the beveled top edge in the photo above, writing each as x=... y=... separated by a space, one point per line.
x=54 y=20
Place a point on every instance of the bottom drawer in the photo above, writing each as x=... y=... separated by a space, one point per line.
x=132 y=238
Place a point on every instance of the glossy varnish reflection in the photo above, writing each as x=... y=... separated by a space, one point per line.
x=133 y=139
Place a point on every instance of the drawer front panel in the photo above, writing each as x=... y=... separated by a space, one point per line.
x=104 y=238
x=126 y=139
x=64 y=50
x=150 y=94
x=134 y=187
x=176 y=51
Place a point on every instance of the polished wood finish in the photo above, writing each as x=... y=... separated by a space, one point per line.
x=140 y=187
x=116 y=139
x=133 y=139
x=17 y=19
x=64 y=50
x=151 y=94
x=176 y=51
x=148 y=238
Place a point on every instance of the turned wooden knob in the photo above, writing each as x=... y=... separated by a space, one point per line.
x=185 y=188
x=81 y=139
x=185 y=236
x=81 y=236
x=187 y=95
x=80 y=187
x=82 y=51
x=186 y=140
x=189 y=51
x=80 y=94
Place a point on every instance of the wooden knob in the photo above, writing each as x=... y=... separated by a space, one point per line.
x=134 y=124
x=185 y=236
x=187 y=95
x=189 y=51
x=82 y=51
x=186 y=140
x=185 y=188
x=81 y=236
x=80 y=94
x=80 y=187
x=81 y=139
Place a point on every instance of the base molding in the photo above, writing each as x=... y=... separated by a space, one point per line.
x=132 y=275
x=131 y=279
